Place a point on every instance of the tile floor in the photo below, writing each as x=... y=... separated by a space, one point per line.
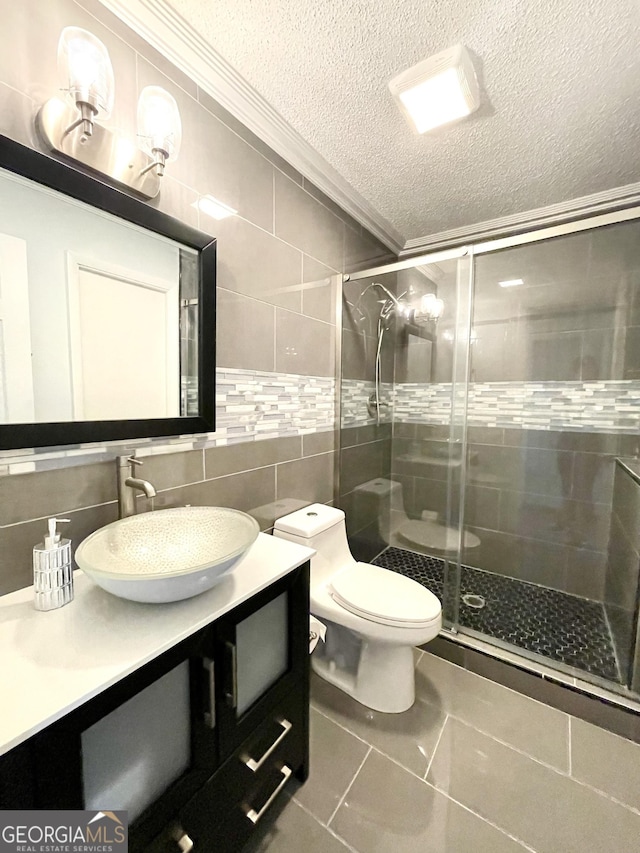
x=473 y=767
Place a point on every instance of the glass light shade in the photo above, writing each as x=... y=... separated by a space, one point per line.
x=159 y=124
x=431 y=306
x=85 y=70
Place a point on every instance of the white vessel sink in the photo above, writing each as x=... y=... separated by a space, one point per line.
x=167 y=555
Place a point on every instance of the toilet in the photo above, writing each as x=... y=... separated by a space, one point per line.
x=426 y=535
x=374 y=616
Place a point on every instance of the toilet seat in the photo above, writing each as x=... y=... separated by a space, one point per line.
x=383 y=596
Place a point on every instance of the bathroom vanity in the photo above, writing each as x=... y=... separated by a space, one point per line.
x=191 y=715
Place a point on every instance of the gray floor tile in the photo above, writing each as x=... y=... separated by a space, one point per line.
x=409 y=738
x=335 y=758
x=547 y=810
x=606 y=761
x=388 y=809
x=293 y=831
x=530 y=726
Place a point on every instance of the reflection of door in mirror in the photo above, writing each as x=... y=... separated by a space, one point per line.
x=93 y=326
x=16 y=384
x=132 y=319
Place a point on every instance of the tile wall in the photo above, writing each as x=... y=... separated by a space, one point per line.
x=270 y=331
x=622 y=581
x=365 y=444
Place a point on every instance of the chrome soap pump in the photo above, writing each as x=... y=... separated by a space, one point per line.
x=52 y=570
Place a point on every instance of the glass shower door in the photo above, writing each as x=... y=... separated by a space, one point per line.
x=403 y=402
x=553 y=413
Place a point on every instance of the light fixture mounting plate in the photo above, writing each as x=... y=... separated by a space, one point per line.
x=105 y=152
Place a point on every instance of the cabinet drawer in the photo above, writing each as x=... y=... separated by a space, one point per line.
x=242 y=790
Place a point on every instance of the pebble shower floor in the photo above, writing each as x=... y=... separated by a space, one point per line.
x=545 y=621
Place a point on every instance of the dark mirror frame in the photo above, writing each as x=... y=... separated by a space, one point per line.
x=67 y=180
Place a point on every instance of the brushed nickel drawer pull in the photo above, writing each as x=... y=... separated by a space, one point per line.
x=254 y=765
x=210 y=714
x=255 y=816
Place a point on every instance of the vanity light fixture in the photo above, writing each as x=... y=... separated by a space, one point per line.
x=159 y=126
x=214 y=208
x=86 y=74
x=438 y=90
x=71 y=126
x=511 y=282
x=431 y=308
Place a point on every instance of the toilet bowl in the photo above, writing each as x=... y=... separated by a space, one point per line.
x=374 y=616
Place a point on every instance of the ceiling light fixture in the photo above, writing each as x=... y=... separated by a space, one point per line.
x=214 y=208
x=438 y=90
x=511 y=282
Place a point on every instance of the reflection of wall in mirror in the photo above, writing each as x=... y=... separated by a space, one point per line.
x=53 y=227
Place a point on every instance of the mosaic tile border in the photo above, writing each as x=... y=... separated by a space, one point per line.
x=251 y=405
x=354 y=397
x=611 y=406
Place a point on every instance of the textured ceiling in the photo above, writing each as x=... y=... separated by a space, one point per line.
x=560 y=116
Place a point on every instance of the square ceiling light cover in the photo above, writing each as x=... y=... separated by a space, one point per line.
x=438 y=90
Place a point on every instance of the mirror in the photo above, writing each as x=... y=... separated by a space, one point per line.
x=103 y=305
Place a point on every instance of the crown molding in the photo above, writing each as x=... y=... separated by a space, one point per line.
x=555 y=214
x=168 y=32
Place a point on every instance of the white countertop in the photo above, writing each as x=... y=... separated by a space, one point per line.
x=50 y=663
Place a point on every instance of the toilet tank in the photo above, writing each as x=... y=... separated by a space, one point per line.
x=322 y=528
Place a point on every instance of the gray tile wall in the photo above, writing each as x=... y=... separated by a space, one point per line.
x=276 y=304
x=539 y=500
x=365 y=445
x=622 y=581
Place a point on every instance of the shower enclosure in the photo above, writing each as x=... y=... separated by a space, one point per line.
x=490 y=412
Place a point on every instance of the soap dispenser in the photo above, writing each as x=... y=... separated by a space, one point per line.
x=52 y=570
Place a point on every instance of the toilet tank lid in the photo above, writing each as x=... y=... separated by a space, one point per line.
x=310 y=521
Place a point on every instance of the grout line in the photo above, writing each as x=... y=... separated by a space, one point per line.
x=342 y=798
x=337 y=723
x=481 y=817
x=508 y=745
x=498 y=684
x=366 y=743
x=397 y=763
x=48 y=515
x=435 y=749
x=569 y=745
x=324 y=825
x=538 y=761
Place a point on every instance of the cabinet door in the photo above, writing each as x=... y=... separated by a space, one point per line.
x=262 y=647
x=146 y=744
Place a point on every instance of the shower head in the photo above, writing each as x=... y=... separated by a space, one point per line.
x=391 y=296
x=392 y=303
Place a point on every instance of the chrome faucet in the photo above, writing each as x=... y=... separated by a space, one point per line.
x=128 y=485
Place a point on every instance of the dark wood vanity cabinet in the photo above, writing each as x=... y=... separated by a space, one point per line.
x=223 y=717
